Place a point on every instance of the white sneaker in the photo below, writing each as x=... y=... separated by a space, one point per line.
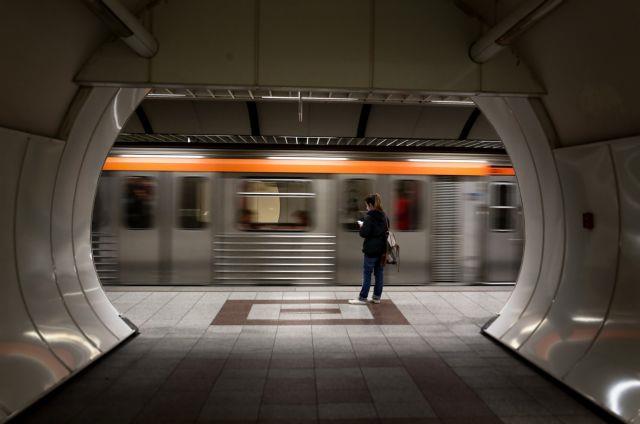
x=357 y=302
x=376 y=301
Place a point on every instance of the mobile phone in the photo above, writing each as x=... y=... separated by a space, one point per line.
x=360 y=222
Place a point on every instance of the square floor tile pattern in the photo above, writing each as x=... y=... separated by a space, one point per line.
x=265 y=311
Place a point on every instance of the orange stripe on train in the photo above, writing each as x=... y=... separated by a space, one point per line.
x=302 y=167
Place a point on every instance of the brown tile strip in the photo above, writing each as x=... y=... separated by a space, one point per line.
x=235 y=312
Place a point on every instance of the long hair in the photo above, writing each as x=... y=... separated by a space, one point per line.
x=375 y=201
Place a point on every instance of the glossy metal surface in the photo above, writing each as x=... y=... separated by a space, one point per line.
x=576 y=316
x=63 y=248
x=55 y=317
x=553 y=229
x=580 y=305
x=499 y=111
x=35 y=264
x=27 y=365
x=609 y=371
x=120 y=107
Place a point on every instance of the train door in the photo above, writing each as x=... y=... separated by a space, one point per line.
x=473 y=219
x=504 y=230
x=104 y=230
x=351 y=193
x=190 y=228
x=138 y=229
x=408 y=213
x=446 y=230
x=275 y=229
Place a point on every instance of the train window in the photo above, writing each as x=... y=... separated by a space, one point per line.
x=502 y=207
x=408 y=205
x=355 y=190
x=275 y=205
x=139 y=202
x=193 y=210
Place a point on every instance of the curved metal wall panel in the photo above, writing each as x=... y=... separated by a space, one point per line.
x=34 y=257
x=576 y=317
x=53 y=324
x=515 y=139
x=85 y=121
x=580 y=306
x=113 y=119
x=553 y=229
x=610 y=371
x=27 y=366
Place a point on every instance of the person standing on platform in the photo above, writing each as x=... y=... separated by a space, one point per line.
x=374 y=229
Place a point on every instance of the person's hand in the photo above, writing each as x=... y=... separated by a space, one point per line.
x=360 y=223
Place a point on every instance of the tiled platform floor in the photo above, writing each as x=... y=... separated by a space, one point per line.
x=436 y=368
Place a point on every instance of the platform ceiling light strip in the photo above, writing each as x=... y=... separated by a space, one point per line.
x=166 y=95
x=453 y=102
x=449 y=160
x=306 y=158
x=329 y=99
x=252 y=94
x=163 y=156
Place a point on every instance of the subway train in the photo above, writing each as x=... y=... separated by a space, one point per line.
x=206 y=216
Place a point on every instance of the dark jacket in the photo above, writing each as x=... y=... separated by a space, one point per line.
x=374 y=231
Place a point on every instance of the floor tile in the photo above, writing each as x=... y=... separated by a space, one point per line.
x=227 y=356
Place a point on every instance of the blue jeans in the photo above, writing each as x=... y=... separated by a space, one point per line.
x=371 y=264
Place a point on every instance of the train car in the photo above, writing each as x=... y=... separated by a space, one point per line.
x=171 y=216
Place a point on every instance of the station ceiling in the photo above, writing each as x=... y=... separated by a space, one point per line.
x=254 y=118
x=349 y=143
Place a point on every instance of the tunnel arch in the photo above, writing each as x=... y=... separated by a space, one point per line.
x=59 y=313
x=531 y=315
x=98 y=119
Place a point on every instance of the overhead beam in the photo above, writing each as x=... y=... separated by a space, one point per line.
x=254 y=120
x=364 y=120
x=125 y=25
x=468 y=125
x=144 y=120
x=512 y=26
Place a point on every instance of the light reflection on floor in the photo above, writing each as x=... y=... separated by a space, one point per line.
x=308 y=357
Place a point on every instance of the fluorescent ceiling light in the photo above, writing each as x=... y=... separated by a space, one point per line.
x=453 y=102
x=449 y=160
x=305 y=158
x=163 y=156
x=166 y=95
x=331 y=99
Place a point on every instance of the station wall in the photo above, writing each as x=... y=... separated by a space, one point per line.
x=571 y=311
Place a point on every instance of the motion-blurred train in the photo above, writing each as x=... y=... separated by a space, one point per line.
x=171 y=216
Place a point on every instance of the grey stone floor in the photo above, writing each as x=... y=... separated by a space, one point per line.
x=182 y=369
